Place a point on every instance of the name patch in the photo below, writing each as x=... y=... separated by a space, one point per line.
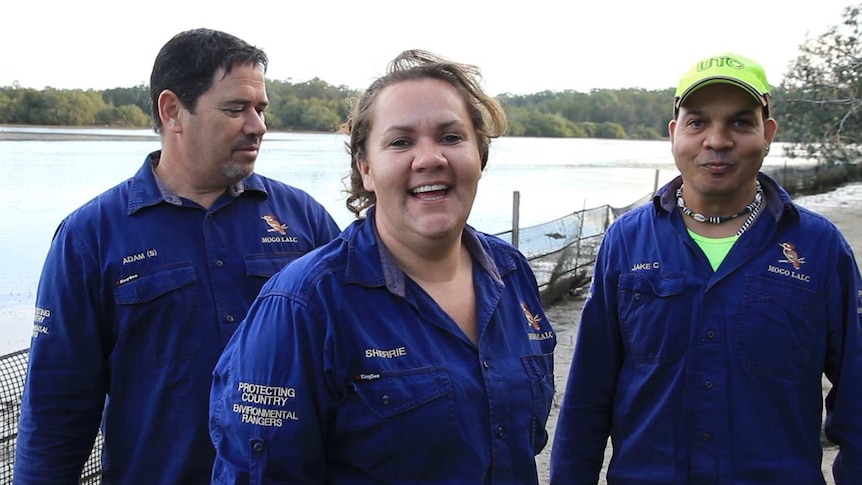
x=385 y=354
x=645 y=266
x=788 y=273
x=149 y=253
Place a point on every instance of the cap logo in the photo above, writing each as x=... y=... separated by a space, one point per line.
x=718 y=63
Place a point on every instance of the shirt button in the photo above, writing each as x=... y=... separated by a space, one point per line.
x=705 y=437
x=637 y=296
x=219 y=263
x=229 y=318
x=485 y=364
x=385 y=399
x=258 y=446
x=710 y=334
x=707 y=384
x=499 y=432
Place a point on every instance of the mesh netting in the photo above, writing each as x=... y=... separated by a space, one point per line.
x=562 y=251
x=13 y=369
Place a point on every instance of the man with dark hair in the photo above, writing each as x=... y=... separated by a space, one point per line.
x=143 y=285
x=714 y=312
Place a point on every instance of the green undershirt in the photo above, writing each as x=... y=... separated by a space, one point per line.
x=715 y=249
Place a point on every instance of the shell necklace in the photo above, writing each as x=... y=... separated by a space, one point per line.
x=751 y=209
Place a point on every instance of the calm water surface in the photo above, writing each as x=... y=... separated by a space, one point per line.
x=45 y=180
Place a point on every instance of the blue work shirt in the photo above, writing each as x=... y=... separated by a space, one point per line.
x=715 y=377
x=139 y=294
x=347 y=372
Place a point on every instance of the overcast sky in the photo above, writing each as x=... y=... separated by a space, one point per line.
x=522 y=47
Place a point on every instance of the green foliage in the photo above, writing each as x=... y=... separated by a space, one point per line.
x=644 y=133
x=531 y=122
x=74 y=108
x=822 y=94
x=609 y=129
x=589 y=128
x=315 y=105
x=138 y=96
x=127 y=115
x=629 y=111
x=320 y=117
x=307 y=106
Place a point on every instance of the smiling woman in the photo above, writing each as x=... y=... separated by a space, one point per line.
x=410 y=324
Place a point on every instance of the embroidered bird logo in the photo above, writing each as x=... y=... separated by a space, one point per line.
x=533 y=320
x=275 y=224
x=792 y=257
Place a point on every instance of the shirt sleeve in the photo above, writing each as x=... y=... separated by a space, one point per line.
x=269 y=398
x=584 y=422
x=66 y=382
x=843 y=424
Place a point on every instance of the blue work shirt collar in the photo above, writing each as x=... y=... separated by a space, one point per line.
x=147 y=189
x=363 y=234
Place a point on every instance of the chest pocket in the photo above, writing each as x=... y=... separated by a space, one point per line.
x=654 y=316
x=266 y=265
x=777 y=327
x=540 y=370
x=157 y=317
x=398 y=415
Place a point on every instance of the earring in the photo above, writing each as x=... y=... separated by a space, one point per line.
x=767 y=148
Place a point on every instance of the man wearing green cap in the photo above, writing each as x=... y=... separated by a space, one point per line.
x=714 y=312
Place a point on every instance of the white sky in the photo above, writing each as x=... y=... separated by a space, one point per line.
x=522 y=47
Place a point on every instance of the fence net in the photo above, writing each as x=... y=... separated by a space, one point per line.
x=13 y=369
x=562 y=251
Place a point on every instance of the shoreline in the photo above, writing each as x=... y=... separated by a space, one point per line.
x=73 y=133
x=19 y=136
x=88 y=133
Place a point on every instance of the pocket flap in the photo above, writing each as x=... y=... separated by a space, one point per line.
x=395 y=392
x=143 y=288
x=539 y=365
x=266 y=265
x=659 y=285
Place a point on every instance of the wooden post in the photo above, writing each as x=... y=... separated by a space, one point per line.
x=580 y=236
x=516 y=216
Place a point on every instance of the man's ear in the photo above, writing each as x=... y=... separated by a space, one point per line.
x=671 y=126
x=770 y=128
x=170 y=111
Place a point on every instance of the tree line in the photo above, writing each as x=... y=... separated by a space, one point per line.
x=316 y=105
x=817 y=104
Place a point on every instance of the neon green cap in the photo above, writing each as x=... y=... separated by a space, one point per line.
x=724 y=68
